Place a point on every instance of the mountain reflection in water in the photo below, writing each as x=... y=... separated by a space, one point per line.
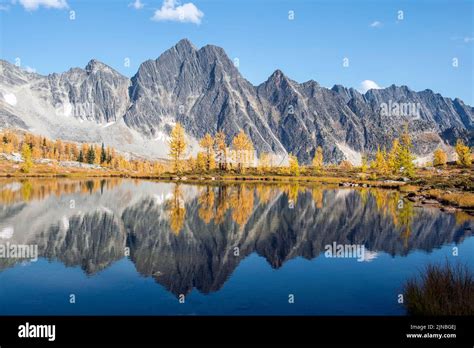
x=195 y=236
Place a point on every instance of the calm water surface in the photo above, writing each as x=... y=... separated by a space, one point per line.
x=133 y=247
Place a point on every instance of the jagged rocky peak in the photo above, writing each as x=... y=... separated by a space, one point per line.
x=6 y=66
x=346 y=92
x=185 y=46
x=10 y=74
x=14 y=75
x=278 y=78
x=215 y=57
x=311 y=83
x=339 y=88
x=94 y=65
x=5 y=63
x=189 y=59
x=166 y=68
x=276 y=88
x=174 y=56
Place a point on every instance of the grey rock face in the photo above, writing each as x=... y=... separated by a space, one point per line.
x=93 y=241
x=97 y=93
x=204 y=91
x=201 y=89
x=9 y=120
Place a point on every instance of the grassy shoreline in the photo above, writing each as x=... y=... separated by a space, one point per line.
x=200 y=178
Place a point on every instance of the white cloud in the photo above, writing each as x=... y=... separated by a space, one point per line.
x=468 y=39
x=137 y=5
x=32 y=5
x=376 y=24
x=171 y=10
x=368 y=84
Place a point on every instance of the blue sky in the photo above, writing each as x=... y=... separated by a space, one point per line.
x=417 y=51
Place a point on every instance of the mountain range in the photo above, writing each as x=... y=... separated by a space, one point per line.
x=204 y=91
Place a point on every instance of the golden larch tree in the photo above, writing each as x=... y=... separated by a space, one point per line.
x=380 y=163
x=264 y=163
x=221 y=150
x=318 y=159
x=177 y=145
x=464 y=154
x=440 y=158
x=27 y=158
x=392 y=159
x=404 y=156
x=243 y=147
x=207 y=143
x=293 y=166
